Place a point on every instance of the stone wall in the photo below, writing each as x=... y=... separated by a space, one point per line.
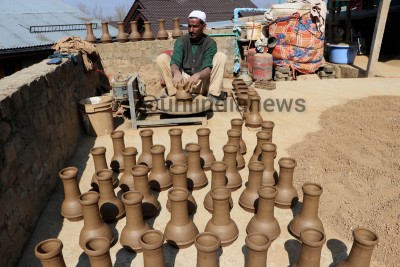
x=140 y=57
x=39 y=129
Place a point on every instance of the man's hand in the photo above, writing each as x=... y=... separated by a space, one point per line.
x=177 y=79
x=192 y=80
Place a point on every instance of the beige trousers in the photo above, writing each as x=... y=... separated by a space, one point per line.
x=212 y=85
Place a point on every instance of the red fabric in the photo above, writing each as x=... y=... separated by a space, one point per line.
x=299 y=43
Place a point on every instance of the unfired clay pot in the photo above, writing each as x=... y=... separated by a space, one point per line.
x=98 y=250
x=105 y=36
x=262 y=137
x=159 y=177
x=246 y=111
x=122 y=37
x=221 y=222
x=162 y=34
x=176 y=153
x=248 y=200
x=100 y=163
x=253 y=118
x=70 y=208
x=270 y=176
x=257 y=245
x=180 y=230
x=264 y=220
x=126 y=182
x=134 y=36
x=207 y=245
x=179 y=180
x=312 y=241
x=111 y=208
x=150 y=204
x=287 y=194
x=197 y=178
x=147 y=141
x=232 y=173
x=152 y=245
x=93 y=225
x=234 y=139
x=364 y=243
x=308 y=216
x=117 y=161
x=218 y=178
x=206 y=155
x=135 y=225
x=176 y=32
x=237 y=124
x=89 y=33
x=49 y=252
x=148 y=33
x=268 y=126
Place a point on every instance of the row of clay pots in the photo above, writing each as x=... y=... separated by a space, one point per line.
x=134 y=36
x=151 y=241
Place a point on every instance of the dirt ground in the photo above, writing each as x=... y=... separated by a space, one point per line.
x=364 y=148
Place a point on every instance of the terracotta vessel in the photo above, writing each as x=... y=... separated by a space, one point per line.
x=287 y=194
x=122 y=37
x=269 y=127
x=179 y=180
x=134 y=36
x=234 y=139
x=117 y=160
x=49 y=252
x=312 y=241
x=148 y=33
x=182 y=95
x=364 y=243
x=126 y=182
x=150 y=204
x=176 y=153
x=135 y=225
x=159 y=177
x=232 y=173
x=93 y=225
x=105 y=36
x=270 y=176
x=237 y=81
x=221 y=222
x=218 y=178
x=257 y=245
x=207 y=245
x=206 y=154
x=308 y=216
x=162 y=34
x=176 y=32
x=242 y=96
x=264 y=220
x=248 y=200
x=196 y=176
x=100 y=163
x=70 y=208
x=152 y=245
x=262 y=137
x=237 y=124
x=180 y=230
x=247 y=108
x=89 y=33
x=253 y=118
x=111 y=208
x=98 y=250
x=147 y=141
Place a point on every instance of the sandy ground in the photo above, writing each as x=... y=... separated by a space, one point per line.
x=343 y=207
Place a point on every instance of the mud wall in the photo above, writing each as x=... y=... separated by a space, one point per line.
x=39 y=128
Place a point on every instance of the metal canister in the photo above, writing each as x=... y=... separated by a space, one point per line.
x=262 y=66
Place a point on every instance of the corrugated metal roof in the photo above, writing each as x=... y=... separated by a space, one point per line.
x=18 y=16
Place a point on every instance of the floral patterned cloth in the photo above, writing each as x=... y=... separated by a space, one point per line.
x=299 y=43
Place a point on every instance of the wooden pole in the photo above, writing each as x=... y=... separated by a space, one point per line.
x=377 y=37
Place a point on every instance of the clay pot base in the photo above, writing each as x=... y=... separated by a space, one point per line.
x=73 y=219
x=171 y=106
x=286 y=205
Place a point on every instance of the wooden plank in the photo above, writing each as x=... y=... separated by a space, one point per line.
x=172 y=121
x=377 y=37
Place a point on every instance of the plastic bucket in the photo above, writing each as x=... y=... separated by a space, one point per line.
x=253 y=30
x=97 y=115
x=342 y=54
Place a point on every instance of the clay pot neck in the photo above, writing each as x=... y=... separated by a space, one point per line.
x=221 y=208
x=178 y=173
x=104 y=27
x=176 y=140
x=230 y=156
x=204 y=139
x=266 y=202
x=311 y=195
x=256 y=169
x=179 y=213
x=98 y=250
x=218 y=174
x=263 y=137
x=267 y=155
x=147 y=142
x=50 y=252
x=118 y=141
x=140 y=175
x=157 y=152
x=99 y=158
x=286 y=171
x=255 y=104
x=132 y=201
x=312 y=242
x=104 y=178
x=193 y=151
x=207 y=244
x=90 y=208
x=129 y=155
x=364 y=242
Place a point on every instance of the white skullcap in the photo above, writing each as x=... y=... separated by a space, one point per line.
x=198 y=14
